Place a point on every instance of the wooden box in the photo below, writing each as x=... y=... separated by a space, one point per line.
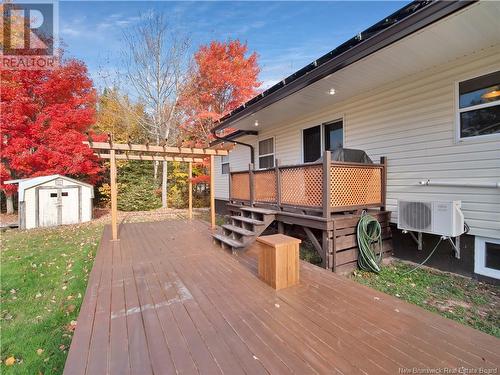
x=279 y=260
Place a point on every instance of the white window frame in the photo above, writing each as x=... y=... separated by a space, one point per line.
x=273 y=153
x=458 y=110
x=224 y=159
x=321 y=124
x=480 y=257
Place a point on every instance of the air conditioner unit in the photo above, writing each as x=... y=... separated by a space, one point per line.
x=443 y=218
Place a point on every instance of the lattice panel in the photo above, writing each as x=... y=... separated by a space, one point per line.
x=240 y=186
x=265 y=186
x=302 y=186
x=353 y=186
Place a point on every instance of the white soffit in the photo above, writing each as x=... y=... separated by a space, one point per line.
x=469 y=30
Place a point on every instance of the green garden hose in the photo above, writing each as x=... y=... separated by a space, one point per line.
x=369 y=233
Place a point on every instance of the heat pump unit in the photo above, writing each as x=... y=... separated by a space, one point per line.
x=443 y=218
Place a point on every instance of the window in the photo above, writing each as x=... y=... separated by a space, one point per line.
x=334 y=135
x=312 y=144
x=53 y=195
x=224 y=160
x=487 y=257
x=479 y=106
x=64 y=193
x=327 y=136
x=266 y=153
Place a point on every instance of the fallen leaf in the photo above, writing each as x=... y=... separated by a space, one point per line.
x=62 y=347
x=10 y=361
x=38 y=295
x=39 y=351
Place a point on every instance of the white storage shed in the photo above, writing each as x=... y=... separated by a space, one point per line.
x=53 y=200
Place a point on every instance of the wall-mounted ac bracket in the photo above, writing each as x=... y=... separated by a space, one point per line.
x=418 y=238
x=454 y=244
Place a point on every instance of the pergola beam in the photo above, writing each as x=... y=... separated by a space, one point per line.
x=150 y=157
x=171 y=151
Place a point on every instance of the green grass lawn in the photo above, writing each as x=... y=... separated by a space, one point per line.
x=43 y=279
x=467 y=301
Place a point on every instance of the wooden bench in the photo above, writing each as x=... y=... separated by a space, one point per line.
x=278 y=260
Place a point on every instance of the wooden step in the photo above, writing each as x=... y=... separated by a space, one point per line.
x=247 y=220
x=243 y=231
x=257 y=210
x=228 y=241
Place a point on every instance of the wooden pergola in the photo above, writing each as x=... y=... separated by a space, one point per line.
x=128 y=151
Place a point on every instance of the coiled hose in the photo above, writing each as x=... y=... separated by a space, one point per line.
x=369 y=233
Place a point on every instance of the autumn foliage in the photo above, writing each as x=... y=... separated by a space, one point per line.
x=45 y=115
x=222 y=78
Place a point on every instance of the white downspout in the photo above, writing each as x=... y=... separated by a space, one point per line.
x=491 y=185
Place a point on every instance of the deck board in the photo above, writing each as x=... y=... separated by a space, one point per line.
x=166 y=300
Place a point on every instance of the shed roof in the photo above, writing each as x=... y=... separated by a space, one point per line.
x=28 y=183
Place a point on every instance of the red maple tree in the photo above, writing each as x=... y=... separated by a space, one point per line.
x=223 y=77
x=45 y=115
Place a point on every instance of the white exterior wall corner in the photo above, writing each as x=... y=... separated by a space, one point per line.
x=412 y=121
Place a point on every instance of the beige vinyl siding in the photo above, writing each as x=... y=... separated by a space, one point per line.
x=412 y=121
x=221 y=180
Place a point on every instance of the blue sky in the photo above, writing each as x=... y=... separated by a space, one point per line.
x=287 y=35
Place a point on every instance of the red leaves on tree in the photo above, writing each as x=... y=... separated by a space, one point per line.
x=45 y=115
x=222 y=79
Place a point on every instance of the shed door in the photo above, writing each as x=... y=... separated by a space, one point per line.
x=70 y=205
x=48 y=204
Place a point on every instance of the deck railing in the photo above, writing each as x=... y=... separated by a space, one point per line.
x=347 y=186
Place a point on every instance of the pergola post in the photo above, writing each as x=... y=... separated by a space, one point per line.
x=114 y=196
x=190 y=188
x=212 y=191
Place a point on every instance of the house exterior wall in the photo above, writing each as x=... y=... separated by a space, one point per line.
x=71 y=205
x=411 y=121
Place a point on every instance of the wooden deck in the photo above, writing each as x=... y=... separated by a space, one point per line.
x=165 y=300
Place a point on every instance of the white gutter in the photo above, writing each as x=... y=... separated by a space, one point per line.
x=492 y=185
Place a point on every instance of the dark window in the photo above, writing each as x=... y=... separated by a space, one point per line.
x=53 y=195
x=480 y=122
x=312 y=144
x=64 y=193
x=334 y=135
x=479 y=105
x=492 y=251
x=224 y=164
x=266 y=153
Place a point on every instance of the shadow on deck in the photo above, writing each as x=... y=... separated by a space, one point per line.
x=165 y=300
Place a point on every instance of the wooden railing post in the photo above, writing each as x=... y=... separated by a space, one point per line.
x=327 y=162
x=383 y=182
x=251 y=181
x=278 y=182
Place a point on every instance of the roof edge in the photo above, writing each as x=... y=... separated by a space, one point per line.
x=380 y=35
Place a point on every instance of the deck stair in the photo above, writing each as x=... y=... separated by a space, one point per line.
x=244 y=226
